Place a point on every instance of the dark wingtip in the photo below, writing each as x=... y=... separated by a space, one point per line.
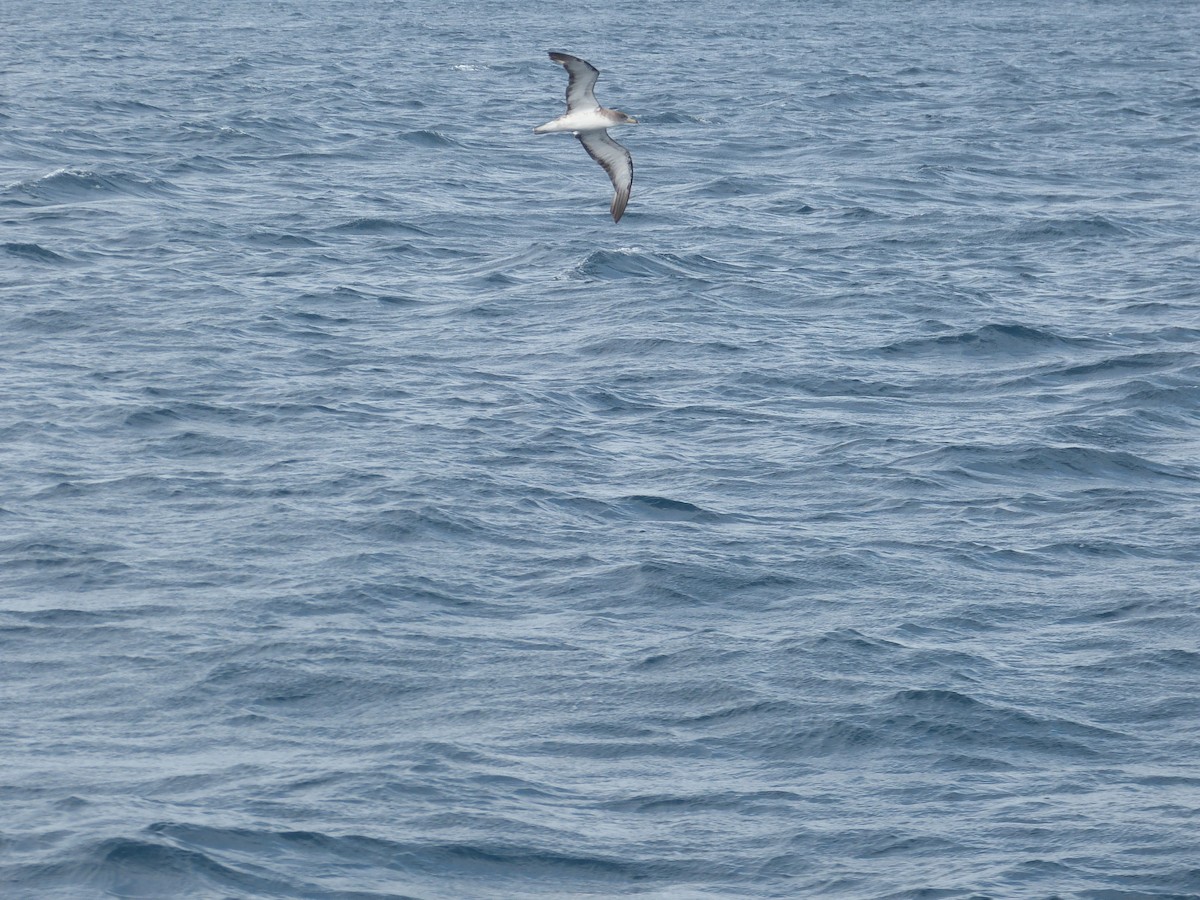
x=564 y=59
x=618 y=206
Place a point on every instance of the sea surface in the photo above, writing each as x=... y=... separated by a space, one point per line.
x=378 y=519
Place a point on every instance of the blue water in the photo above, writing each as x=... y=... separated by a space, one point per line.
x=378 y=519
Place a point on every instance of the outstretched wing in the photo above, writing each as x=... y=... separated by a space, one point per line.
x=616 y=162
x=582 y=77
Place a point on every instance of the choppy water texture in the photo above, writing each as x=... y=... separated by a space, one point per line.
x=379 y=520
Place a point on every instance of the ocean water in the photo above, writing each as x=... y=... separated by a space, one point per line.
x=378 y=519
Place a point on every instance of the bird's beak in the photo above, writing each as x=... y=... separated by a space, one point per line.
x=633 y=121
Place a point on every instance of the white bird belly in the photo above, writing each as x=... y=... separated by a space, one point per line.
x=580 y=120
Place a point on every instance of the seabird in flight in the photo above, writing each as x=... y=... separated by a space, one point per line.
x=587 y=120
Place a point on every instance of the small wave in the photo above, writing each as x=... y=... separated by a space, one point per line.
x=82 y=185
x=133 y=867
x=860 y=214
x=854 y=643
x=153 y=418
x=110 y=104
x=343 y=295
x=628 y=345
x=200 y=445
x=499 y=859
x=33 y=253
x=742 y=801
x=200 y=163
x=1123 y=365
x=1190 y=100
x=215 y=134
x=427 y=137
x=765 y=710
x=60 y=617
x=948 y=716
x=672 y=118
x=609 y=264
x=280 y=239
x=1011 y=339
x=1088 y=463
x=1048 y=229
x=64 y=558
x=375 y=225
x=830 y=387
x=736 y=186
x=791 y=208
x=664 y=509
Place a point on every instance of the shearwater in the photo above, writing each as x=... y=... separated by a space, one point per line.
x=589 y=121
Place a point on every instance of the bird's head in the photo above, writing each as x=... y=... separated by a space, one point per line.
x=627 y=119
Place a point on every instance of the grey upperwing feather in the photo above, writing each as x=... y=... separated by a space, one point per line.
x=616 y=162
x=581 y=79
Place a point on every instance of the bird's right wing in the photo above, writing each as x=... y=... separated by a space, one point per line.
x=616 y=162
x=581 y=79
